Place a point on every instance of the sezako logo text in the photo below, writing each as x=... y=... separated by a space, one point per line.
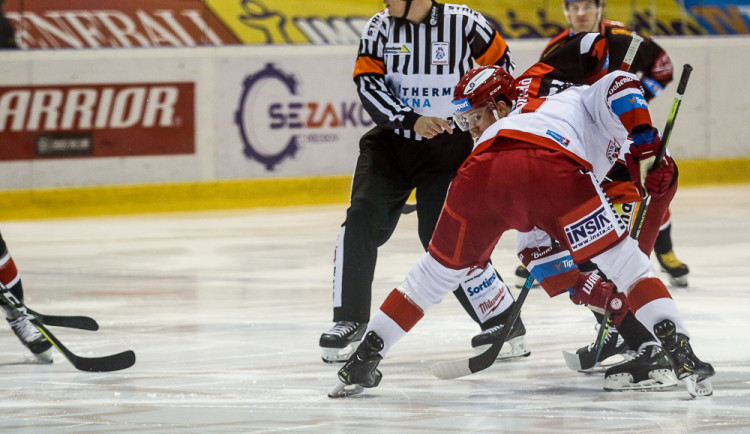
x=275 y=119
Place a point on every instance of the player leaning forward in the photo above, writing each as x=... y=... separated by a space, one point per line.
x=538 y=168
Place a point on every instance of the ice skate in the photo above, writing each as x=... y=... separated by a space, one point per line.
x=338 y=343
x=514 y=346
x=677 y=271
x=687 y=366
x=31 y=338
x=360 y=370
x=650 y=369
x=584 y=359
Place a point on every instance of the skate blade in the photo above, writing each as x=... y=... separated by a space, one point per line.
x=512 y=349
x=662 y=379
x=337 y=355
x=699 y=388
x=342 y=390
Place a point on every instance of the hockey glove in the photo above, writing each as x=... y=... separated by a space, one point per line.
x=591 y=290
x=645 y=144
x=659 y=179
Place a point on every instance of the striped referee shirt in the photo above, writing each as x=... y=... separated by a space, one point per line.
x=406 y=70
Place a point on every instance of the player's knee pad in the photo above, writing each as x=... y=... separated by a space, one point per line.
x=625 y=264
x=428 y=282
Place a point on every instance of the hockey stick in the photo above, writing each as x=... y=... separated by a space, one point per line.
x=666 y=134
x=459 y=368
x=69 y=321
x=574 y=361
x=114 y=362
x=570 y=358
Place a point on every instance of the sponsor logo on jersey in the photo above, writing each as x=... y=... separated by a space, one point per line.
x=486 y=283
x=589 y=229
x=613 y=150
x=627 y=103
x=101 y=120
x=397 y=49
x=490 y=305
x=558 y=137
x=440 y=53
x=620 y=82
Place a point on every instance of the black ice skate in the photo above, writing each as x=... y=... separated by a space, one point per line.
x=514 y=346
x=31 y=338
x=338 y=343
x=361 y=369
x=676 y=270
x=687 y=366
x=585 y=359
x=649 y=370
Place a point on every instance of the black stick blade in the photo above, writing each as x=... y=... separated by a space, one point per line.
x=115 y=362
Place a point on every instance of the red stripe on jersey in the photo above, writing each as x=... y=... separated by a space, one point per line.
x=8 y=271
x=401 y=310
x=632 y=118
x=645 y=291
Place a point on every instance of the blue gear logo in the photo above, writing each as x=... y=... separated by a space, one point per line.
x=269 y=160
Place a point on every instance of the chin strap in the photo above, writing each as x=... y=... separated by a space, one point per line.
x=406 y=11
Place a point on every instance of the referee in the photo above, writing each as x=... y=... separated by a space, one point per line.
x=411 y=55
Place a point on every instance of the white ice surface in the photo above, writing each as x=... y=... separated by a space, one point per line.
x=224 y=311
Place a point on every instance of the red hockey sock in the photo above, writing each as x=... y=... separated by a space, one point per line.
x=402 y=310
x=645 y=291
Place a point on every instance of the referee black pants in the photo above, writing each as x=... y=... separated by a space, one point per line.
x=388 y=169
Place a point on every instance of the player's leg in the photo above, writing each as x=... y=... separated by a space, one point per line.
x=378 y=193
x=29 y=335
x=487 y=304
x=461 y=244
x=677 y=271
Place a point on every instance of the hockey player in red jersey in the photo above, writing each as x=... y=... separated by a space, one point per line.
x=540 y=168
x=19 y=322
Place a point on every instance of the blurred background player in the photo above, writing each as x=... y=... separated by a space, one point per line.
x=538 y=168
x=29 y=335
x=655 y=70
x=410 y=57
x=7 y=33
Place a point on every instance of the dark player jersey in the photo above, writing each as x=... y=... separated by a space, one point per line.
x=406 y=70
x=605 y=54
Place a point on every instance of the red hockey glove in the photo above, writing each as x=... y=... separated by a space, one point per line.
x=592 y=290
x=634 y=169
x=659 y=179
x=645 y=144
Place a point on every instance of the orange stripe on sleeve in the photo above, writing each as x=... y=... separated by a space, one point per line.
x=368 y=65
x=494 y=52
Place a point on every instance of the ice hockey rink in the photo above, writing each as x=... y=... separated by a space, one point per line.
x=224 y=311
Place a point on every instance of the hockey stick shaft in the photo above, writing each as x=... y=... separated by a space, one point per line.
x=114 y=362
x=666 y=134
x=480 y=362
x=627 y=62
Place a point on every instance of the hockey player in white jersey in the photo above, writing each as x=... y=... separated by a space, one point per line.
x=541 y=168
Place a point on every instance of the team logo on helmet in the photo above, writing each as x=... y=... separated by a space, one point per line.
x=478 y=80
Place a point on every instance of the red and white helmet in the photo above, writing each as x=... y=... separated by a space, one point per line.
x=482 y=87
